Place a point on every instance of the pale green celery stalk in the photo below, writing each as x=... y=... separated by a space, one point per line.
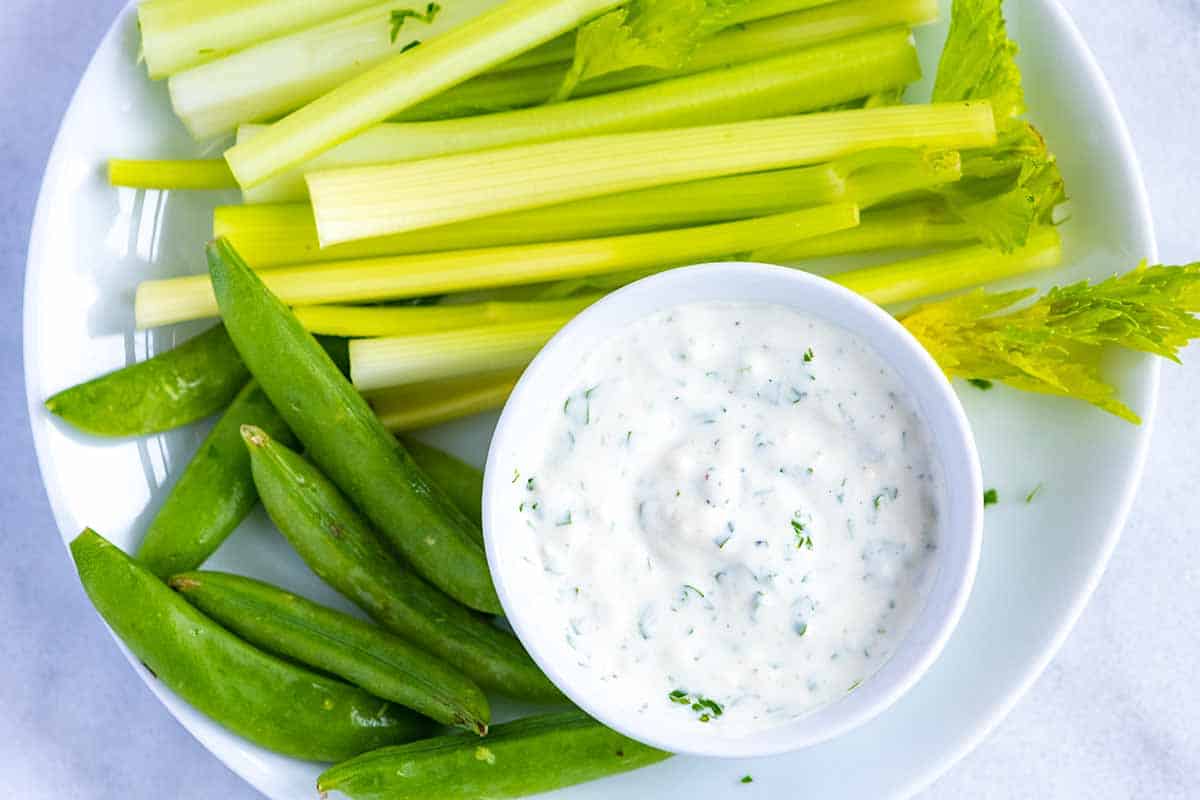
x=177 y=34
x=177 y=299
x=372 y=321
x=375 y=363
x=274 y=235
x=362 y=202
x=515 y=88
x=280 y=75
x=913 y=225
x=792 y=83
x=406 y=79
x=399 y=360
x=421 y=405
x=952 y=270
x=183 y=174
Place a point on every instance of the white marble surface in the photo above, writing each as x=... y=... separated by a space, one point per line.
x=1115 y=715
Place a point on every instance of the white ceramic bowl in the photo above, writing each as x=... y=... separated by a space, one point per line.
x=516 y=567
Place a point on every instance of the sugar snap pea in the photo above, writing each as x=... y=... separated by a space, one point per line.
x=461 y=482
x=345 y=438
x=378 y=661
x=214 y=493
x=528 y=756
x=189 y=382
x=341 y=547
x=269 y=701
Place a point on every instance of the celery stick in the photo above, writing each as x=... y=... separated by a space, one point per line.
x=405 y=80
x=913 y=225
x=951 y=270
x=176 y=299
x=361 y=202
x=271 y=235
x=370 y=321
x=421 y=405
x=399 y=360
x=177 y=34
x=792 y=83
x=376 y=363
x=189 y=174
x=280 y=75
x=515 y=88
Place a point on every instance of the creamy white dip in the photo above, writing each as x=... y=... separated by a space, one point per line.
x=735 y=506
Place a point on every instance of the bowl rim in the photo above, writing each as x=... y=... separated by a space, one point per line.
x=962 y=509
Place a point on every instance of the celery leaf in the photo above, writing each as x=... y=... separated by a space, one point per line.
x=644 y=33
x=979 y=60
x=1007 y=190
x=1056 y=344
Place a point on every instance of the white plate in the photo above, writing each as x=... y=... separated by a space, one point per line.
x=1040 y=562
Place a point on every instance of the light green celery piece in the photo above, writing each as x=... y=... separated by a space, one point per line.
x=792 y=83
x=747 y=41
x=274 y=77
x=1057 y=344
x=952 y=270
x=913 y=225
x=406 y=79
x=372 y=321
x=195 y=174
x=363 y=202
x=893 y=283
x=423 y=405
x=274 y=235
x=400 y=360
x=177 y=34
x=177 y=299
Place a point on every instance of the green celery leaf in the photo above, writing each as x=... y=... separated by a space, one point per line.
x=1056 y=344
x=644 y=33
x=979 y=60
x=1007 y=190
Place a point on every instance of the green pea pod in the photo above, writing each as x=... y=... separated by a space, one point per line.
x=528 y=756
x=380 y=662
x=462 y=482
x=269 y=701
x=190 y=382
x=345 y=438
x=214 y=493
x=343 y=550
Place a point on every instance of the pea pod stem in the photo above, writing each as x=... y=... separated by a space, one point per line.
x=189 y=382
x=340 y=546
x=271 y=702
x=214 y=493
x=345 y=438
x=364 y=655
x=528 y=756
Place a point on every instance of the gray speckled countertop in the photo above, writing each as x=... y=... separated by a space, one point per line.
x=1114 y=716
